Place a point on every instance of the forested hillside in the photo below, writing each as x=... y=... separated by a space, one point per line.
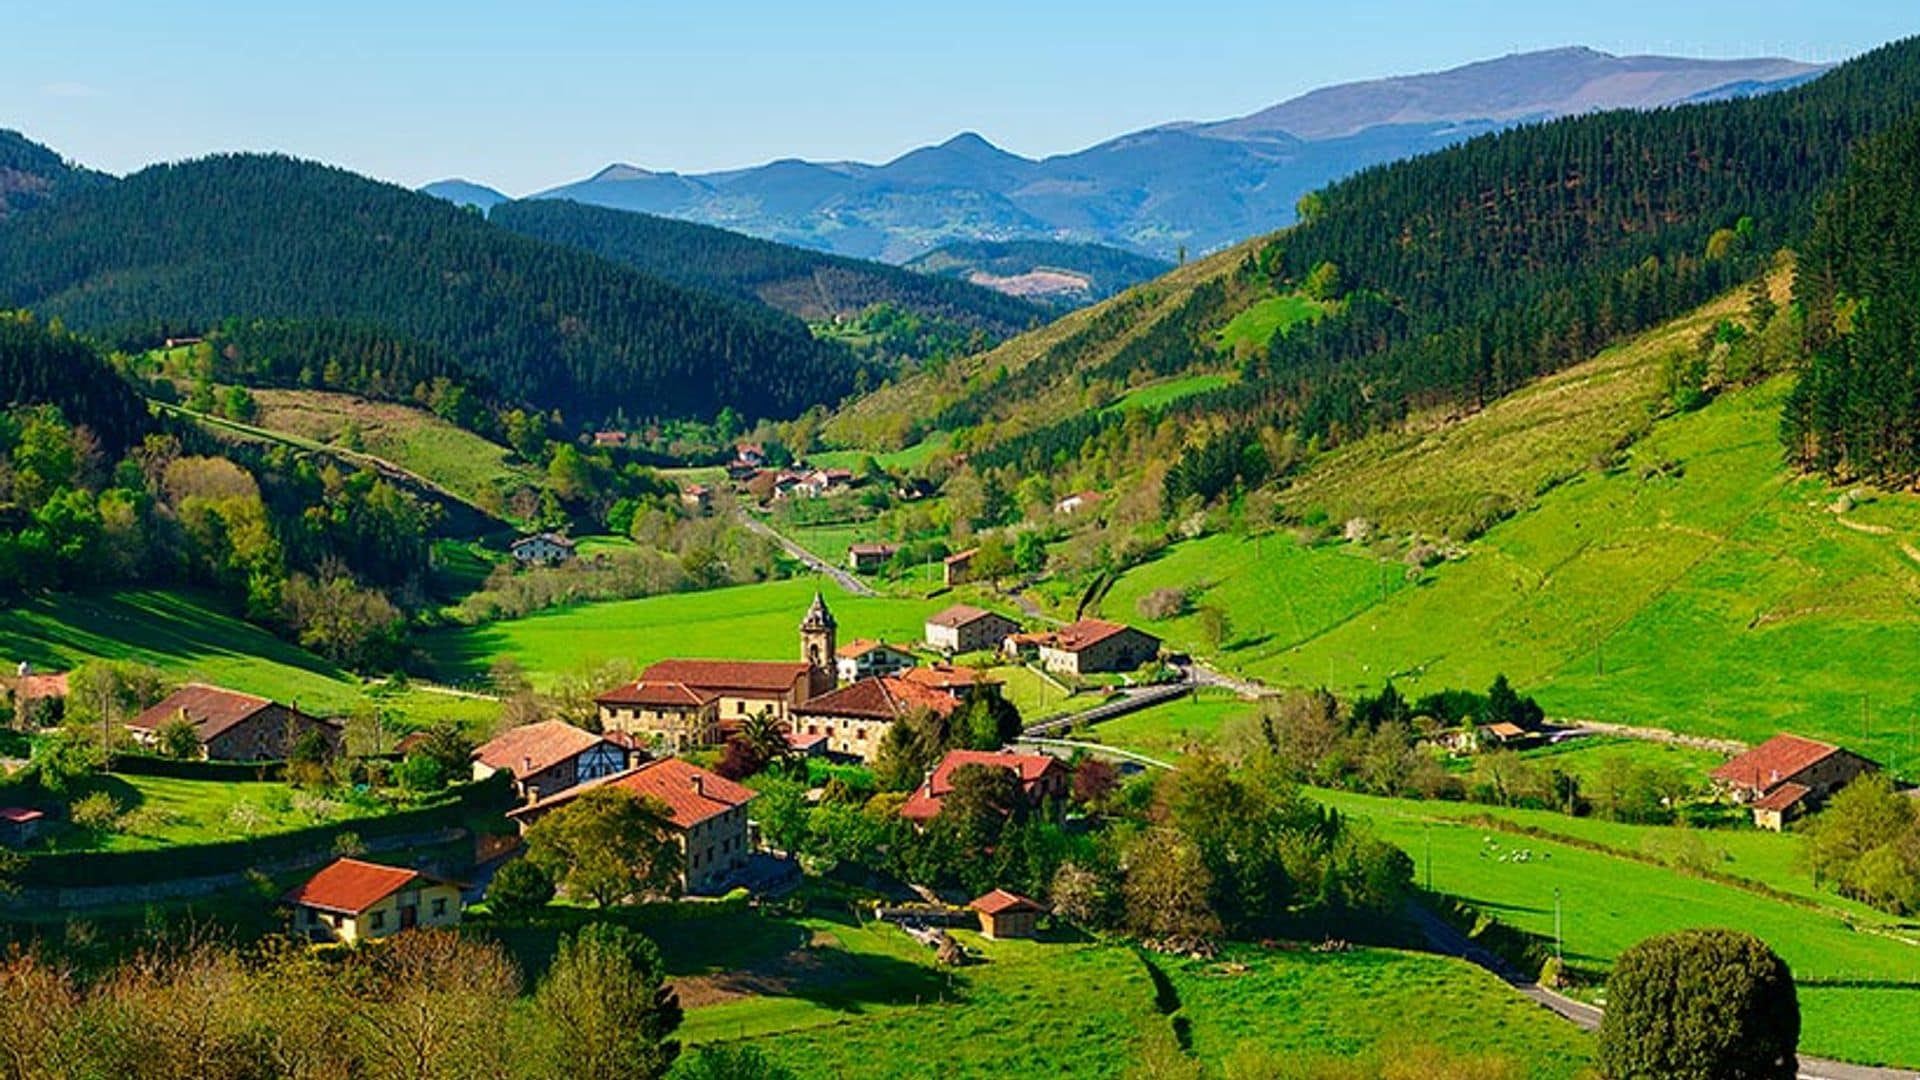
x=94 y=492
x=188 y=246
x=31 y=174
x=810 y=284
x=1856 y=408
x=1450 y=279
x=998 y=263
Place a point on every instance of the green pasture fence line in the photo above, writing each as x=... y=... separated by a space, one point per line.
x=107 y=868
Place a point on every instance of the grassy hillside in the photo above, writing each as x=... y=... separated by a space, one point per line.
x=456 y=459
x=1043 y=361
x=190 y=638
x=1694 y=585
x=1859 y=999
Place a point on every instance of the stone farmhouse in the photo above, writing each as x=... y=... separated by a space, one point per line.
x=1043 y=780
x=707 y=814
x=864 y=659
x=232 y=726
x=542 y=549
x=957 y=568
x=963 y=628
x=352 y=900
x=868 y=558
x=671 y=717
x=548 y=757
x=855 y=719
x=1787 y=776
x=1094 y=646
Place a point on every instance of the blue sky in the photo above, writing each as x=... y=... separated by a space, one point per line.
x=527 y=95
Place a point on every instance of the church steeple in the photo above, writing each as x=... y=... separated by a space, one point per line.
x=819 y=641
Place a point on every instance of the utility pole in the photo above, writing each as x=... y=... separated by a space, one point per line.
x=1428 y=829
x=1557 y=955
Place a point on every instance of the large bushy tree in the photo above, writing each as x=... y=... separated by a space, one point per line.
x=1700 y=1005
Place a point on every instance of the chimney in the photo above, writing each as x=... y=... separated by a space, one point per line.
x=697 y=789
x=533 y=794
x=926 y=783
x=526 y=767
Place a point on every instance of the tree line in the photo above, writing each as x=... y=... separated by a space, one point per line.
x=268 y=237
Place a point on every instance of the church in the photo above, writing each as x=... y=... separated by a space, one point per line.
x=679 y=705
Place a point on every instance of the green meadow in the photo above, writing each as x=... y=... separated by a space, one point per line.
x=830 y=996
x=746 y=622
x=1858 y=972
x=1255 y=326
x=1155 y=394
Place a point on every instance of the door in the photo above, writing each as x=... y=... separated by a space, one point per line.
x=409 y=916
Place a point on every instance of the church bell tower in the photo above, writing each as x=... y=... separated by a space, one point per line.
x=819 y=642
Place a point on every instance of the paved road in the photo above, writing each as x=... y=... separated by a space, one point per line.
x=841 y=576
x=1451 y=942
x=1131 y=701
x=1246 y=688
x=1068 y=747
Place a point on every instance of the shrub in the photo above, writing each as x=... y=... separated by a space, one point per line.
x=1702 y=1004
x=1162 y=604
x=519 y=889
x=97 y=811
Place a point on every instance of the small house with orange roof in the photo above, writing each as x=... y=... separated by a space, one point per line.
x=1007 y=915
x=863 y=658
x=706 y=812
x=354 y=900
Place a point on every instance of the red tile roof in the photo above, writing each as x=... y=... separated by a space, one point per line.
x=926 y=799
x=884 y=550
x=691 y=794
x=862 y=646
x=30 y=687
x=535 y=748
x=1000 y=900
x=959 y=615
x=659 y=694
x=1085 y=634
x=1779 y=759
x=753 y=676
x=961 y=556
x=1783 y=797
x=20 y=815
x=210 y=709
x=883 y=697
x=351 y=886
x=948 y=678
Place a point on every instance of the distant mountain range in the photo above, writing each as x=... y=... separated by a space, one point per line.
x=1193 y=186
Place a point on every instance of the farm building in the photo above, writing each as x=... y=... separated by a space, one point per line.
x=707 y=813
x=1043 y=780
x=37 y=700
x=697 y=498
x=868 y=558
x=1007 y=915
x=1787 y=776
x=19 y=825
x=855 y=719
x=963 y=628
x=863 y=659
x=1078 y=501
x=957 y=568
x=542 y=549
x=354 y=900
x=231 y=726
x=1092 y=646
x=548 y=757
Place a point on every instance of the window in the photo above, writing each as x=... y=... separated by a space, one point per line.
x=439 y=906
x=378 y=921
